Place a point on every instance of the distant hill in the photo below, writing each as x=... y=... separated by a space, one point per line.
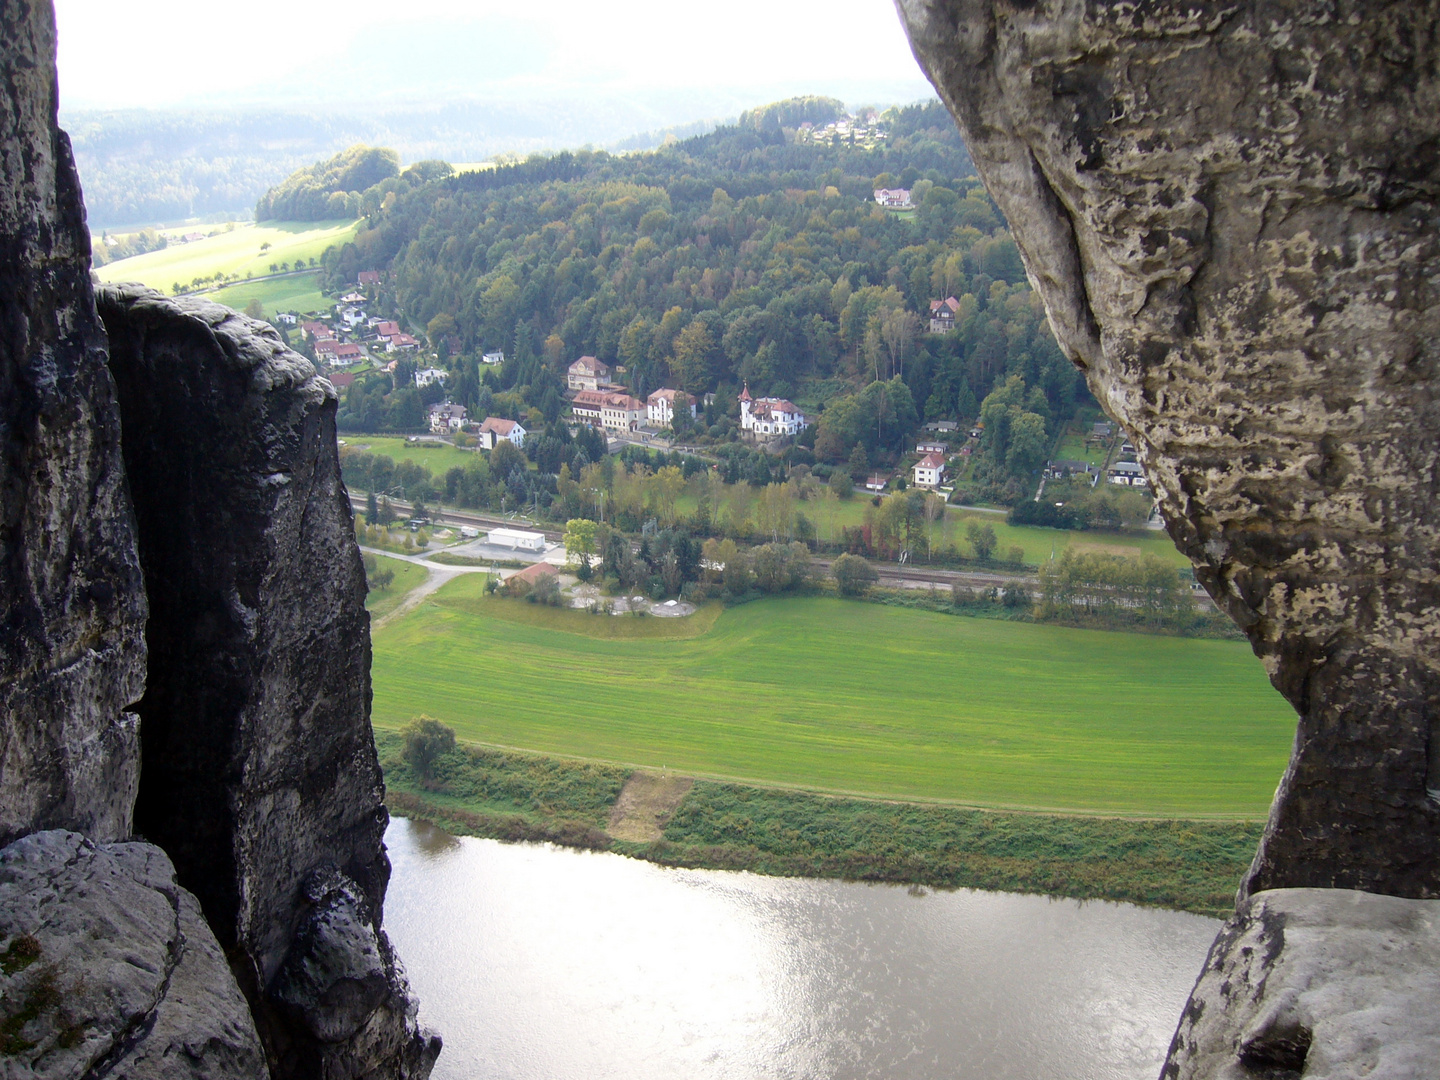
x=329 y=189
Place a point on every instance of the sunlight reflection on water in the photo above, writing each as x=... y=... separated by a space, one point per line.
x=543 y=963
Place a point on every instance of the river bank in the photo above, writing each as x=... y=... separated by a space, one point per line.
x=1184 y=865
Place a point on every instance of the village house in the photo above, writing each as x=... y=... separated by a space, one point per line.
x=427 y=376
x=941 y=427
x=346 y=353
x=587 y=373
x=315 y=330
x=876 y=482
x=387 y=328
x=1064 y=469
x=496 y=357
x=1128 y=473
x=894 y=198
x=284 y=318
x=401 y=343
x=769 y=416
x=351 y=316
x=352 y=298
x=523 y=581
x=660 y=406
x=369 y=277
x=931 y=446
x=325 y=349
x=445 y=418
x=341 y=380
x=494 y=429
x=608 y=409
x=942 y=315
x=930 y=471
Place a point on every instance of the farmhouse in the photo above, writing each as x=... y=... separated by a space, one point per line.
x=429 y=375
x=769 y=416
x=494 y=429
x=587 y=373
x=445 y=418
x=930 y=471
x=660 y=406
x=942 y=315
x=1129 y=473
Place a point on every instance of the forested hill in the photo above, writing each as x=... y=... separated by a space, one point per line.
x=741 y=254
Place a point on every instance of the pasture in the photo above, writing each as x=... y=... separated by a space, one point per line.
x=293 y=292
x=848 y=697
x=237 y=251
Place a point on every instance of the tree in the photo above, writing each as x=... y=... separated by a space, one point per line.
x=841 y=485
x=580 y=541
x=425 y=741
x=982 y=539
x=694 y=354
x=853 y=575
x=255 y=309
x=372 y=509
x=505 y=459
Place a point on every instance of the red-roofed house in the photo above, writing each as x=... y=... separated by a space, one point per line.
x=315 y=330
x=401 y=343
x=346 y=353
x=341 y=380
x=369 y=277
x=930 y=471
x=587 y=373
x=494 y=429
x=660 y=406
x=603 y=408
x=325 y=349
x=942 y=315
x=769 y=416
x=387 y=329
x=525 y=580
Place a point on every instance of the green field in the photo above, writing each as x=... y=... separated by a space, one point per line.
x=435 y=456
x=294 y=292
x=381 y=602
x=234 y=252
x=852 y=697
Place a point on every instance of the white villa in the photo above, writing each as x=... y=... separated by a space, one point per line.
x=660 y=406
x=587 y=373
x=930 y=471
x=494 y=429
x=769 y=416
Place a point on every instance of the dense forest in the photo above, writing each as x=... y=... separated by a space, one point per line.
x=734 y=256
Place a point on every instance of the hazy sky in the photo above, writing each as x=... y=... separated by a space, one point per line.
x=161 y=53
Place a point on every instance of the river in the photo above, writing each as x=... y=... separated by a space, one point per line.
x=543 y=963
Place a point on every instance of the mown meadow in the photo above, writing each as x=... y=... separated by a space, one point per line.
x=845 y=697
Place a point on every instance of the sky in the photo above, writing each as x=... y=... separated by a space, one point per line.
x=179 y=54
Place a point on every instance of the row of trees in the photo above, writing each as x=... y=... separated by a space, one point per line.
x=1094 y=587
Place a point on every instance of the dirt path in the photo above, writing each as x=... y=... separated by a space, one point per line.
x=646 y=802
x=438 y=575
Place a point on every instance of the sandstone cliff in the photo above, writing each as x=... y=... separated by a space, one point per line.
x=259 y=777
x=1229 y=210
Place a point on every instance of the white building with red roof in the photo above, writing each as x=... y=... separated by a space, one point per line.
x=930 y=471
x=770 y=416
x=494 y=429
x=661 y=404
x=587 y=373
x=607 y=409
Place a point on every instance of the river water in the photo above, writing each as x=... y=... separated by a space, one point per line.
x=542 y=963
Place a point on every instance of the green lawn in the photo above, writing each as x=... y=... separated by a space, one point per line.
x=381 y=602
x=436 y=456
x=297 y=292
x=845 y=696
x=235 y=252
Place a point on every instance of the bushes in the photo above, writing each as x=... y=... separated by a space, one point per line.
x=425 y=741
x=853 y=575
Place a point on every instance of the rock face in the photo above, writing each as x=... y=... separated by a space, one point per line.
x=72 y=604
x=1335 y=983
x=259 y=774
x=1229 y=210
x=107 y=968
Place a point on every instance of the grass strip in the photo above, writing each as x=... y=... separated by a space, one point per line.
x=1181 y=864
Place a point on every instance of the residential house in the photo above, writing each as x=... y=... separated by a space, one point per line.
x=369 y=277
x=428 y=376
x=401 y=343
x=523 y=581
x=1128 y=473
x=894 y=198
x=587 y=373
x=191 y=237
x=1064 y=469
x=930 y=471
x=661 y=404
x=352 y=298
x=942 y=427
x=494 y=429
x=445 y=418
x=345 y=353
x=341 y=380
x=315 y=330
x=325 y=349
x=497 y=357
x=930 y=446
x=387 y=328
x=608 y=409
x=877 y=481
x=284 y=318
x=351 y=316
x=769 y=416
x=942 y=315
